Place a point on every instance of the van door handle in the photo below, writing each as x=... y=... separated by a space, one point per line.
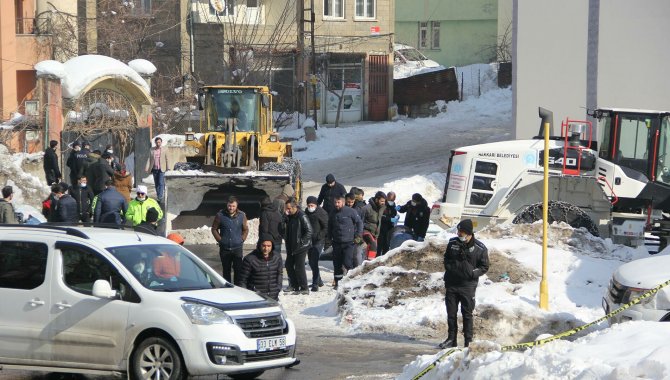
x=36 y=302
x=63 y=306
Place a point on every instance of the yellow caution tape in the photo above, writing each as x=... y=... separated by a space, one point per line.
x=564 y=334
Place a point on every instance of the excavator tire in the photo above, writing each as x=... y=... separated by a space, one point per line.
x=558 y=212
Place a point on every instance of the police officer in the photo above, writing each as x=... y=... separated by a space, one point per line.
x=465 y=259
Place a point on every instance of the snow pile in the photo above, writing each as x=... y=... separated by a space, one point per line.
x=25 y=173
x=203 y=235
x=633 y=350
x=50 y=67
x=142 y=66
x=403 y=291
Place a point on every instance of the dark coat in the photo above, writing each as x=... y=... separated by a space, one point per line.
x=84 y=198
x=465 y=262
x=51 y=168
x=328 y=194
x=372 y=218
x=99 y=173
x=109 y=207
x=147 y=228
x=417 y=217
x=66 y=210
x=271 y=223
x=298 y=233
x=389 y=213
x=359 y=206
x=344 y=225
x=76 y=161
x=261 y=275
x=319 y=221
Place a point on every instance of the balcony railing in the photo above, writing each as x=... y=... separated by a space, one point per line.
x=26 y=25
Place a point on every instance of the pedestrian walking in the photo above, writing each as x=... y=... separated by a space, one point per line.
x=138 y=207
x=329 y=191
x=7 y=212
x=271 y=224
x=372 y=222
x=344 y=226
x=230 y=230
x=298 y=241
x=465 y=260
x=109 y=206
x=51 y=169
x=417 y=217
x=262 y=269
x=389 y=220
x=318 y=219
x=83 y=195
x=157 y=165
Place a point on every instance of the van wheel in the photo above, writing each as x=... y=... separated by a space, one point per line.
x=246 y=375
x=558 y=212
x=156 y=358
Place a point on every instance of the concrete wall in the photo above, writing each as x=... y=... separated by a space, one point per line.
x=576 y=54
x=468 y=29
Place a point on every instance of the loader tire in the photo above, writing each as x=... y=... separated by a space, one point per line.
x=558 y=212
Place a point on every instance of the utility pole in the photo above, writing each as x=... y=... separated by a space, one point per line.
x=313 y=79
x=301 y=48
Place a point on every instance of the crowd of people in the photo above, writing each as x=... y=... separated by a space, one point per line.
x=356 y=230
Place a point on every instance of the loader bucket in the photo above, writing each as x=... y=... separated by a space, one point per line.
x=194 y=197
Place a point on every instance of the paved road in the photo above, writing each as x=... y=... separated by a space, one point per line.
x=324 y=354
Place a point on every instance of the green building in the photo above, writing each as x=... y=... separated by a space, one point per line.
x=451 y=32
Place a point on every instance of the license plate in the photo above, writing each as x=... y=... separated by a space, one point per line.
x=271 y=344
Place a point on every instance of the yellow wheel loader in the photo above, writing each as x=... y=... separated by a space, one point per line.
x=236 y=152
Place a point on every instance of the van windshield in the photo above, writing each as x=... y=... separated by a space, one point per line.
x=165 y=267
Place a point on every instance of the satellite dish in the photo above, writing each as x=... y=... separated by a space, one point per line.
x=217 y=5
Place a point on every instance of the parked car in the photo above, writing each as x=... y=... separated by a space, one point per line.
x=634 y=279
x=107 y=301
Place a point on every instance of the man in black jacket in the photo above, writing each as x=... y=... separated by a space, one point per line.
x=262 y=269
x=76 y=162
x=418 y=216
x=465 y=260
x=344 y=226
x=110 y=206
x=271 y=224
x=51 y=169
x=66 y=206
x=84 y=197
x=298 y=241
x=329 y=191
x=100 y=172
x=318 y=218
x=389 y=219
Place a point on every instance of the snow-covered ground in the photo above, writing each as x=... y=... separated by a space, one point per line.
x=402 y=292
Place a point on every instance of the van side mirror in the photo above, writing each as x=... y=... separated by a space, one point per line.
x=265 y=100
x=103 y=289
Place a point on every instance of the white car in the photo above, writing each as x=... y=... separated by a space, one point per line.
x=634 y=279
x=105 y=301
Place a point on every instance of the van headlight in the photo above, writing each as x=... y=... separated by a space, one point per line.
x=200 y=314
x=633 y=293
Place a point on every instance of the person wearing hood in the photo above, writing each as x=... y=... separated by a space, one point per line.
x=83 y=195
x=329 y=191
x=150 y=224
x=418 y=216
x=465 y=260
x=123 y=182
x=318 y=218
x=271 y=224
x=138 y=207
x=262 y=269
x=7 y=213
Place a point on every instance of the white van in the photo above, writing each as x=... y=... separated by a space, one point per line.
x=105 y=301
x=634 y=279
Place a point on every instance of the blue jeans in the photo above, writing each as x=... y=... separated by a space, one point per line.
x=159 y=182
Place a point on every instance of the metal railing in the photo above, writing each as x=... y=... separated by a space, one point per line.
x=25 y=25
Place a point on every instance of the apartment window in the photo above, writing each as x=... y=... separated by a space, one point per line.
x=435 y=35
x=423 y=35
x=365 y=8
x=333 y=8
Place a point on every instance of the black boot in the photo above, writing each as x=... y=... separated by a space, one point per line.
x=467 y=343
x=448 y=343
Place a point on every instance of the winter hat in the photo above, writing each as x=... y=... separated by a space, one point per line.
x=466 y=226
x=330 y=178
x=141 y=189
x=152 y=215
x=76 y=143
x=175 y=237
x=311 y=200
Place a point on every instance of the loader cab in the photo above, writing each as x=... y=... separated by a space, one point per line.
x=239 y=106
x=637 y=140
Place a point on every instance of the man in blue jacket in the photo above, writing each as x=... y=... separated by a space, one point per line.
x=109 y=206
x=344 y=227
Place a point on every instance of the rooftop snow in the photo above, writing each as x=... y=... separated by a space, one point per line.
x=142 y=66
